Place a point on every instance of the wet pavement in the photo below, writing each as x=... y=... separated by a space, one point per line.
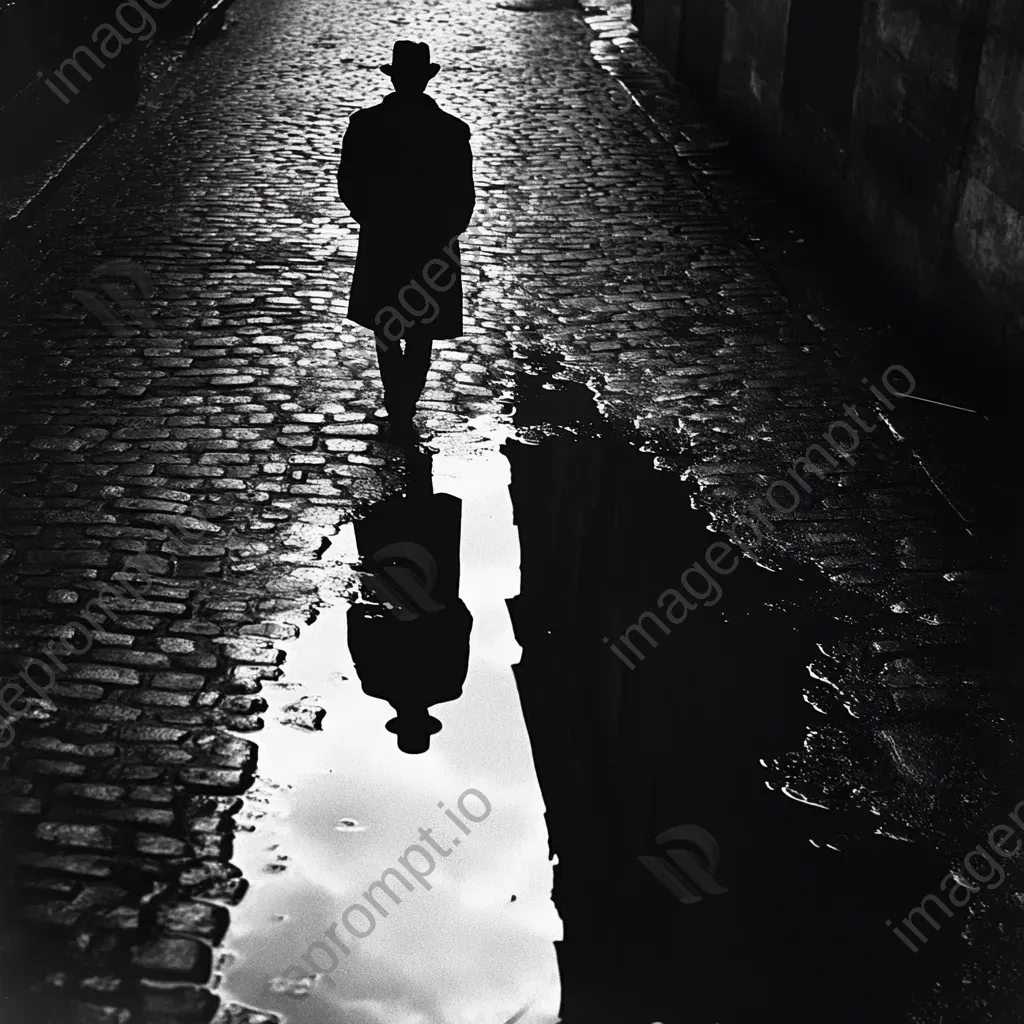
x=653 y=338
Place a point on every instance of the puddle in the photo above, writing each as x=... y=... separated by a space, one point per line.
x=585 y=747
x=343 y=804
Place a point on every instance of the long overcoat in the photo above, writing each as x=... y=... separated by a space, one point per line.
x=406 y=176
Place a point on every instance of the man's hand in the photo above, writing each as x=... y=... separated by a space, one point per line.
x=348 y=193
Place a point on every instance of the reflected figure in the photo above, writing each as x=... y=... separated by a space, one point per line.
x=410 y=638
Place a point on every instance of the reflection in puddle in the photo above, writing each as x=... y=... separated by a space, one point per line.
x=409 y=639
x=576 y=751
x=472 y=941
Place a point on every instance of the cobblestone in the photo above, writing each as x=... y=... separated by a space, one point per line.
x=175 y=959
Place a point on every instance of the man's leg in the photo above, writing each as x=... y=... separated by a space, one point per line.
x=392 y=375
x=417 y=365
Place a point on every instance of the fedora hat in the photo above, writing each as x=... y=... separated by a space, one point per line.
x=409 y=57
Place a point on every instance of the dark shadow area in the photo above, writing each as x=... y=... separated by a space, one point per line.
x=821 y=60
x=410 y=642
x=624 y=754
x=702 y=31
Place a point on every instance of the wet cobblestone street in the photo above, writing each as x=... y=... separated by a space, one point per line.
x=191 y=471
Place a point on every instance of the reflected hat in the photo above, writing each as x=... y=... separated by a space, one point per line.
x=413 y=727
x=408 y=57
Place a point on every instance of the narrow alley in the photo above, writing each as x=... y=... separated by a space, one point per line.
x=221 y=726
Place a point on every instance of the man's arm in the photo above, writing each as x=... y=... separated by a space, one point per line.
x=464 y=198
x=452 y=184
x=351 y=173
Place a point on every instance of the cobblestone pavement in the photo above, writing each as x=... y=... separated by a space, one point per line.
x=617 y=237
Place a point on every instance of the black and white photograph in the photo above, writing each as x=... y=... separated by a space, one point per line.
x=509 y=511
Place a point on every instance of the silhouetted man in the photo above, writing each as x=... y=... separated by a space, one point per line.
x=406 y=176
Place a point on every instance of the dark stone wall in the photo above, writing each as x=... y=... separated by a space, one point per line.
x=751 y=67
x=37 y=35
x=703 y=31
x=907 y=116
x=912 y=117
x=988 y=233
x=661 y=30
x=44 y=116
